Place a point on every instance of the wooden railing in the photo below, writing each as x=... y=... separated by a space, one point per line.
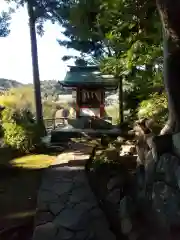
x=52 y=123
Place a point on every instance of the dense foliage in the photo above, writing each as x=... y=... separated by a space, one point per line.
x=4 y=24
x=20 y=131
x=155 y=107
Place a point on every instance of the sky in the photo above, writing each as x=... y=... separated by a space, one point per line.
x=15 y=51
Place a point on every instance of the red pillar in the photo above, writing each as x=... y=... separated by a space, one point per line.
x=102 y=109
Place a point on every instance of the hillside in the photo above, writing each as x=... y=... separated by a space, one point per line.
x=53 y=88
x=48 y=87
x=6 y=84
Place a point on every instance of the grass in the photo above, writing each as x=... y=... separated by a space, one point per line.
x=34 y=161
x=19 y=187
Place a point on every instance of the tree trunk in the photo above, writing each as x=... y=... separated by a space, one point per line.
x=121 y=110
x=170 y=125
x=169 y=12
x=35 y=66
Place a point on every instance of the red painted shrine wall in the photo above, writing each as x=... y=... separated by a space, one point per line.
x=91 y=99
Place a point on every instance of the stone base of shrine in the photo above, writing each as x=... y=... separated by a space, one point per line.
x=64 y=134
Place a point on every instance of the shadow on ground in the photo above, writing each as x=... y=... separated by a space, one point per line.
x=18 y=196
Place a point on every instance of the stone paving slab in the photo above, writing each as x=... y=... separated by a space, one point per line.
x=66 y=206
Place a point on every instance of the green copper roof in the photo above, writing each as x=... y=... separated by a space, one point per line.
x=88 y=76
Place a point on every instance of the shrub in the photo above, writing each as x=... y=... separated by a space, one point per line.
x=20 y=131
x=1 y=131
x=156 y=107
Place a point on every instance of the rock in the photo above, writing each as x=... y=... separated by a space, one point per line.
x=56 y=207
x=64 y=234
x=134 y=236
x=162 y=144
x=63 y=199
x=101 y=229
x=82 y=194
x=149 y=140
x=112 y=154
x=177 y=174
x=168 y=164
x=44 y=217
x=165 y=193
x=86 y=206
x=126 y=207
x=72 y=219
x=81 y=235
x=126 y=226
x=113 y=182
x=127 y=149
x=120 y=140
x=140 y=180
x=96 y=213
x=43 y=207
x=45 y=232
x=129 y=143
x=114 y=196
x=73 y=198
x=141 y=159
x=176 y=143
x=47 y=196
x=132 y=150
x=61 y=188
x=80 y=178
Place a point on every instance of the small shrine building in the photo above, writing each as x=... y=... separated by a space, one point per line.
x=89 y=86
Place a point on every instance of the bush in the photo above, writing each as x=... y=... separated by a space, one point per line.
x=1 y=131
x=156 y=107
x=20 y=131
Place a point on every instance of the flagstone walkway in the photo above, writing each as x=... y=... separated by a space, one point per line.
x=66 y=207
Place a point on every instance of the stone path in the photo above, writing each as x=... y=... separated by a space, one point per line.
x=66 y=207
